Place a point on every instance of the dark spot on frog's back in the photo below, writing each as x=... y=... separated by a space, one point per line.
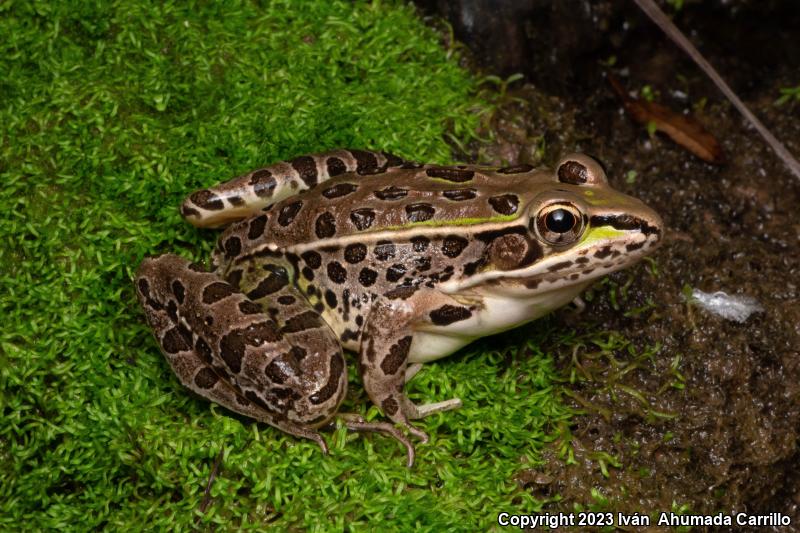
x=216 y=291
x=178 y=290
x=505 y=204
x=203 y=350
x=325 y=226
x=330 y=299
x=420 y=244
x=263 y=183
x=339 y=190
x=448 y=314
x=233 y=247
x=390 y=193
x=306 y=167
x=419 y=212
x=456 y=175
x=516 y=169
x=257 y=226
x=289 y=212
x=207 y=200
x=460 y=195
x=362 y=218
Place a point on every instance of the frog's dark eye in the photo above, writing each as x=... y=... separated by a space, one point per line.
x=559 y=221
x=559 y=224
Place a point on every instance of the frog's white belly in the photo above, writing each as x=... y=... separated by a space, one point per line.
x=496 y=312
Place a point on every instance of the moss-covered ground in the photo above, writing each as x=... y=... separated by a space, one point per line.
x=110 y=113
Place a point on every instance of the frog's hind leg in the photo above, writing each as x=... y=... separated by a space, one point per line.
x=229 y=349
x=247 y=194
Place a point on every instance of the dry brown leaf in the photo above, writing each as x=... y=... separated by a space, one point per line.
x=684 y=130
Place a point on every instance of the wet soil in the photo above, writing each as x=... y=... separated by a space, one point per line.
x=692 y=412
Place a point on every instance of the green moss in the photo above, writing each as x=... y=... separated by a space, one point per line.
x=109 y=114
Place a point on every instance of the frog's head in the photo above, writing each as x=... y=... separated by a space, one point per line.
x=577 y=229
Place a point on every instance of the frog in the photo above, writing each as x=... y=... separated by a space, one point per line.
x=399 y=262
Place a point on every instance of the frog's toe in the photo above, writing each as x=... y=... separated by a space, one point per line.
x=357 y=423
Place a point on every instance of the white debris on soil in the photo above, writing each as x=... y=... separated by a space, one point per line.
x=737 y=307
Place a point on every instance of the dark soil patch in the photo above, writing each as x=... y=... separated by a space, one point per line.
x=708 y=423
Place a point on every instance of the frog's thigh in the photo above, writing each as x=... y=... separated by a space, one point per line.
x=385 y=347
x=247 y=194
x=224 y=347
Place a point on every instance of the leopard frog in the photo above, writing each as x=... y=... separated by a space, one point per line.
x=397 y=261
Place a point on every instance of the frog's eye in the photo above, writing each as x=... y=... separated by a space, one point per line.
x=559 y=224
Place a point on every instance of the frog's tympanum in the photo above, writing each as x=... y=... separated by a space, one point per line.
x=399 y=262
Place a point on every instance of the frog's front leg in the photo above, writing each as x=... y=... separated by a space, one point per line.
x=247 y=194
x=241 y=354
x=383 y=356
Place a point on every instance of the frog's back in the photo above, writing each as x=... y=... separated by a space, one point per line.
x=430 y=195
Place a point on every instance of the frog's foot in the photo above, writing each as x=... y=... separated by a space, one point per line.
x=356 y=422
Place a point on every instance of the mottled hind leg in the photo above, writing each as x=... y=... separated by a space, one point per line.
x=225 y=347
x=383 y=358
x=246 y=195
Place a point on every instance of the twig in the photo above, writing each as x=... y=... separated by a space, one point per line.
x=657 y=15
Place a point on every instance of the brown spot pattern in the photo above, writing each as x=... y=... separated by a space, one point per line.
x=207 y=200
x=395 y=272
x=263 y=183
x=257 y=226
x=247 y=307
x=366 y=162
x=306 y=167
x=451 y=174
x=505 y=204
x=233 y=247
x=389 y=406
x=420 y=244
x=325 y=225
x=419 y=212
x=355 y=253
x=335 y=166
x=573 y=172
x=312 y=259
x=367 y=277
x=447 y=314
x=178 y=290
x=384 y=250
x=176 y=340
x=390 y=193
x=453 y=245
x=289 y=212
x=459 y=195
x=275 y=281
x=339 y=190
x=362 y=218
x=216 y=291
x=396 y=357
x=330 y=388
x=337 y=272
